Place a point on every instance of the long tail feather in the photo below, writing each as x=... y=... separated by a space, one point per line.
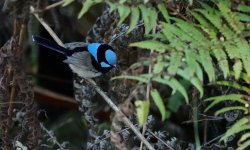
x=46 y=43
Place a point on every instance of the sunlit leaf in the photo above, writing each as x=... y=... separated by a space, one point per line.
x=174 y=84
x=158 y=67
x=149 y=16
x=232 y=84
x=142 y=110
x=244 y=137
x=151 y=45
x=239 y=126
x=159 y=103
x=232 y=108
x=194 y=80
x=244 y=145
x=86 y=6
x=232 y=97
x=135 y=16
x=163 y=11
x=124 y=11
x=237 y=67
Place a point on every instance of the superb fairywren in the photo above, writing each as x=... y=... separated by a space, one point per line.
x=87 y=60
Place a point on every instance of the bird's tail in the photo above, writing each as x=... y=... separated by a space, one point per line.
x=46 y=43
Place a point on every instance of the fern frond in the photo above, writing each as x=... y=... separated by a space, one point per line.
x=233 y=84
x=175 y=62
x=244 y=137
x=240 y=125
x=151 y=45
x=244 y=145
x=194 y=80
x=149 y=16
x=135 y=16
x=243 y=8
x=231 y=97
x=86 y=6
x=174 y=84
x=123 y=11
x=243 y=48
x=221 y=57
x=237 y=67
x=230 y=17
x=164 y=12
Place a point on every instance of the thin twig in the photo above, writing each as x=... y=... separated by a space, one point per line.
x=214 y=139
x=160 y=140
x=52 y=137
x=46 y=26
x=149 y=85
x=97 y=88
x=50 y=6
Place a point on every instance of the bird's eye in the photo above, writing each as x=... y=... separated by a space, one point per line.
x=105 y=65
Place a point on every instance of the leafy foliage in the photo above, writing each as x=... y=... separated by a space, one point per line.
x=189 y=50
x=241 y=104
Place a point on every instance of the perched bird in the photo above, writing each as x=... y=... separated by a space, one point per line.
x=87 y=60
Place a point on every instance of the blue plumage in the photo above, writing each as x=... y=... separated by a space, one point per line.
x=86 y=60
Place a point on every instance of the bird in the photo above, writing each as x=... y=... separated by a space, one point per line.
x=87 y=60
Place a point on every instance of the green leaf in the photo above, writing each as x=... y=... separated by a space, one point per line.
x=233 y=84
x=244 y=137
x=159 y=103
x=194 y=80
x=124 y=11
x=151 y=45
x=142 y=110
x=191 y=62
x=243 y=8
x=243 y=17
x=244 y=145
x=135 y=16
x=222 y=98
x=230 y=16
x=174 y=84
x=225 y=109
x=67 y=2
x=158 y=67
x=236 y=128
x=176 y=100
x=149 y=16
x=164 y=12
x=237 y=67
x=245 y=77
x=86 y=6
x=207 y=64
x=175 y=62
x=221 y=57
x=243 y=47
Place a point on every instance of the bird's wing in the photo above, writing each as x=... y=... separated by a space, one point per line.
x=81 y=64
